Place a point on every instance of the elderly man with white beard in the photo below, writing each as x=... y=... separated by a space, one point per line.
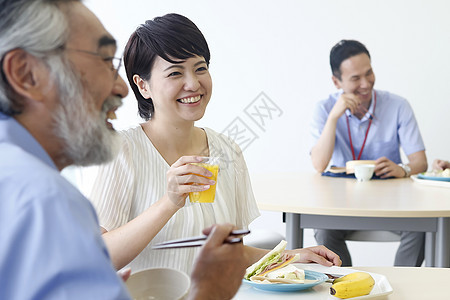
x=59 y=86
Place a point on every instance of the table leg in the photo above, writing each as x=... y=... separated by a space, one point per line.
x=430 y=249
x=294 y=234
x=443 y=243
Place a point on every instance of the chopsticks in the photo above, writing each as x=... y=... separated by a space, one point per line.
x=196 y=241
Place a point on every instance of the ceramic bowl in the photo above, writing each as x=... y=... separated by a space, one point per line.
x=158 y=283
x=364 y=172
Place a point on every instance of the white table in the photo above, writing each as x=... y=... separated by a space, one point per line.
x=314 y=201
x=406 y=283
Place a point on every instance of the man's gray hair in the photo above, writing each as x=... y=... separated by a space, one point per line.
x=37 y=26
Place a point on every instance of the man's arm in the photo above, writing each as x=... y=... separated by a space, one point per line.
x=418 y=162
x=323 y=150
x=386 y=168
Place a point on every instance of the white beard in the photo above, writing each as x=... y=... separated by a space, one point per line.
x=84 y=132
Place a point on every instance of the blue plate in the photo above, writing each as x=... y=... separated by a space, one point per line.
x=437 y=178
x=284 y=287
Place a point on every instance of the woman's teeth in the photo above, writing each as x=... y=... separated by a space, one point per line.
x=190 y=99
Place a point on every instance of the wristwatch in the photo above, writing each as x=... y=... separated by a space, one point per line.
x=407 y=169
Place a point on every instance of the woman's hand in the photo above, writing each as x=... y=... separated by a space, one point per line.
x=184 y=177
x=317 y=254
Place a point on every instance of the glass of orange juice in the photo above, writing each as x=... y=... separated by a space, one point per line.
x=212 y=165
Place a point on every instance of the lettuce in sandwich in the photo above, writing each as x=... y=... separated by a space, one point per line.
x=276 y=259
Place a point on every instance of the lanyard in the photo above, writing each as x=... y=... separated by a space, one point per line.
x=367 y=131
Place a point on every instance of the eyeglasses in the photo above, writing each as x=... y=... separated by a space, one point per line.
x=113 y=62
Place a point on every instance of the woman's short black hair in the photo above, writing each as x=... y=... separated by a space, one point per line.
x=343 y=50
x=171 y=36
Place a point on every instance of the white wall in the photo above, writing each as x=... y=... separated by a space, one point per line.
x=281 y=48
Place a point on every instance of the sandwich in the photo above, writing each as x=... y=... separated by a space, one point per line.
x=275 y=267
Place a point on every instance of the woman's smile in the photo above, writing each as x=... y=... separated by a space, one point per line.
x=190 y=100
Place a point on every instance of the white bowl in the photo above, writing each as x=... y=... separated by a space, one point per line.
x=350 y=165
x=364 y=172
x=158 y=283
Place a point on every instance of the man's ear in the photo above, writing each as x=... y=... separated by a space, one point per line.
x=24 y=74
x=143 y=86
x=336 y=81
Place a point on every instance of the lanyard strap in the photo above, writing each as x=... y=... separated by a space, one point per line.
x=367 y=131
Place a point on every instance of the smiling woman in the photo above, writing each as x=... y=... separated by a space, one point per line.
x=187 y=82
x=141 y=196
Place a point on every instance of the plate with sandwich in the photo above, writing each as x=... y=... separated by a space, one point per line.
x=275 y=271
x=435 y=175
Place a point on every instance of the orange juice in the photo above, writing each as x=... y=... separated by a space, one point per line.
x=208 y=195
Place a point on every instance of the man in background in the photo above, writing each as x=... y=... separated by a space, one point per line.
x=361 y=123
x=59 y=88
